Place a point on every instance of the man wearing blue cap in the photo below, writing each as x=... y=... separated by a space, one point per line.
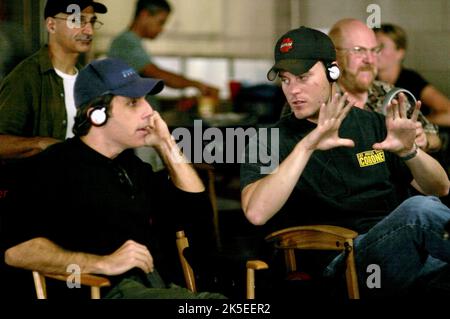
x=36 y=99
x=344 y=166
x=99 y=205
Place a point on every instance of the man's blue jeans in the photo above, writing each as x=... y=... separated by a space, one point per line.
x=407 y=245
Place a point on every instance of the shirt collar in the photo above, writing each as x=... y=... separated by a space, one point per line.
x=44 y=59
x=45 y=62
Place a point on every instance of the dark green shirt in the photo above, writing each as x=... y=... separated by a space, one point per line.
x=32 y=99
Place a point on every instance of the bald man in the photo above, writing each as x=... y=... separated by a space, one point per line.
x=357 y=51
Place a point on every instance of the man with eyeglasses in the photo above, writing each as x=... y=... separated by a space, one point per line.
x=36 y=99
x=357 y=50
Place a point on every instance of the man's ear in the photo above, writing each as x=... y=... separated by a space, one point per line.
x=50 y=24
x=144 y=14
x=401 y=54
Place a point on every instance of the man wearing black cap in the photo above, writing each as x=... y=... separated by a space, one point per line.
x=99 y=206
x=36 y=100
x=345 y=166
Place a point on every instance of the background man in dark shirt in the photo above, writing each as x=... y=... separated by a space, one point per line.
x=36 y=98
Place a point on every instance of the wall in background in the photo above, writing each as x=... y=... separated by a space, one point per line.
x=221 y=28
x=427 y=23
x=248 y=28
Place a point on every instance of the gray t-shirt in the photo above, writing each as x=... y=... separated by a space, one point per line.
x=128 y=47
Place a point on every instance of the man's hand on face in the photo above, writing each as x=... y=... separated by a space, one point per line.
x=158 y=131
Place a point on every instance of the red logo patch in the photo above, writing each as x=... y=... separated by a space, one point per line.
x=286 y=45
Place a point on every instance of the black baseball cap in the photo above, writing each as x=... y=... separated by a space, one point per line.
x=53 y=7
x=298 y=50
x=112 y=76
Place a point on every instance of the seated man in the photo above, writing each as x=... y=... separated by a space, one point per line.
x=94 y=203
x=345 y=166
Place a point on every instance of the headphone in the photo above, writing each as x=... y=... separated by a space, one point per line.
x=333 y=71
x=98 y=116
x=392 y=93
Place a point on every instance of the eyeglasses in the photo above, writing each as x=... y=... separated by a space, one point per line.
x=82 y=22
x=362 y=51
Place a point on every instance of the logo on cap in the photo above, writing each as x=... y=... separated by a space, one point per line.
x=286 y=45
x=128 y=73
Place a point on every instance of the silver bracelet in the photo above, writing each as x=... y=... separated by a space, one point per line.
x=411 y=155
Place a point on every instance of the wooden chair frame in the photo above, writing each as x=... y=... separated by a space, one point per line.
x=319 y=237
x=96 y=282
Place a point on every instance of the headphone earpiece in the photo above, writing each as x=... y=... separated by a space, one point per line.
x=98 y=116
x=333 y=72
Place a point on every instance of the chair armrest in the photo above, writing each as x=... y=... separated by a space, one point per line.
x=313 y=237
x=253 y=265
x=329 y=229
x=93 y=281
x=256 y=265
x=85 y=279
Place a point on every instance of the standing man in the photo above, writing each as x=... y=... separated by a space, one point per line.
x=357 y=56
x=100 y=207
x=344 y=166
x=37 y=108
x=149 y=20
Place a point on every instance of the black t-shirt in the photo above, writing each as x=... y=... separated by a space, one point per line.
x=350 y=187
x=415 y=83
x=86 y=202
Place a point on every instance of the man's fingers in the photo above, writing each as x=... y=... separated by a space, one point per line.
x=341 y=102
x=402 y=105
x=322 y=114
x=416 y=111
x=378 y=146
x=395 y=109
x=345 y=142
x=144 y=262
x=138 y=255
x=348 y=106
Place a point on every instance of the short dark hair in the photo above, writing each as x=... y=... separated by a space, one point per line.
x=152 y=6
x=395 y=33
x=82 y=123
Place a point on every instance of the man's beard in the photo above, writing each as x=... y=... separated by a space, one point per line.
x=352 y=83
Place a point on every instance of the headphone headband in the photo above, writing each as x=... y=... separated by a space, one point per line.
x=392 y=93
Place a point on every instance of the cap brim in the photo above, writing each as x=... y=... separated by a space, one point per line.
x=99 y=7
x=294 y=66
x=140 y=87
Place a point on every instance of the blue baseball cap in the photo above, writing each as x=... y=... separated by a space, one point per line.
x=112 y=76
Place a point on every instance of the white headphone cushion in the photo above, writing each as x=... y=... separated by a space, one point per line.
x=98 y=116
x=334 y=72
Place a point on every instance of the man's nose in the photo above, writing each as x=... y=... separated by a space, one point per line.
x=88 y=28
x=148 y=109
x=295 y=87
x=370 y=57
